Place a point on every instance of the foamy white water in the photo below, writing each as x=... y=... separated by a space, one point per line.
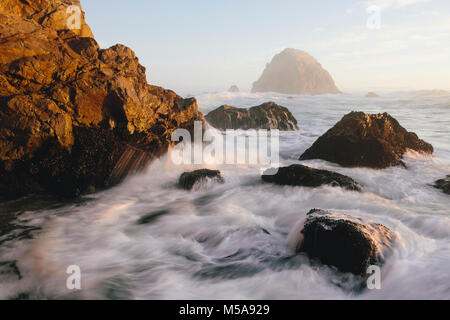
x=147 y=239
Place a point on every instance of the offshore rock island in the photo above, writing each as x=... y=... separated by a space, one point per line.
x=295 y=72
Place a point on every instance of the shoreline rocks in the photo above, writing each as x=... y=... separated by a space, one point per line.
x=73 y=117
x=267 y=116
x=188 y=180
x=295 y=72
x=299 y=175
x=366 y=140
x=344 y=242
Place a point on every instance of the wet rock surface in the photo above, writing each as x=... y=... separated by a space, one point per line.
x=344 y=242
x=443 y=184
x=266 y=116
x=188 y=180
x=366 y=140
x=299 y=175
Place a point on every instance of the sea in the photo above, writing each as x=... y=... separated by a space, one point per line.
x=149 y=239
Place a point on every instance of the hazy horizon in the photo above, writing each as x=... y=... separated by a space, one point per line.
x=209 y=46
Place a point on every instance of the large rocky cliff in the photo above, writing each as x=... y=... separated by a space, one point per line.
x=295 y=72
x=74 y=117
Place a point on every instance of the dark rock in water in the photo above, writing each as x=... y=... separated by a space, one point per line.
x=153 y=216
x=299 y=175
x=266 y=116
x=233 y=89
x=345 y=242
x=73 y=117
x=295 y=72
x=443 y=184
x=372 y=95
x=189 y=179
x=366 y=140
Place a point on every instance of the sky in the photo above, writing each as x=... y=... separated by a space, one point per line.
x=209 y=45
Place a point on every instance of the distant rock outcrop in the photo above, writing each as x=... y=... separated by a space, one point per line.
x=299 y=175
x=189 y=179
x=344 y=242
x=266 y=116
x=372 y=95
x=443 y=184
x=74 y=117
x=233 y=88
x=366 y=140
x=295 y=72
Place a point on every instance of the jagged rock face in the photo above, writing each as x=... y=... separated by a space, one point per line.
x=233 y=89
x=443 y=184
x=189 y=179
x=345 y=242
x=295 y=72
x=72 y=114
x=266 y=116
x=366 y=140
x=299 y=175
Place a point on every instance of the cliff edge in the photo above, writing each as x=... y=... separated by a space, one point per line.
x=74 y=117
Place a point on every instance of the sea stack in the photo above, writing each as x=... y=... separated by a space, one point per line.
x=73 y=117
x=295 y=72
x=234 y=89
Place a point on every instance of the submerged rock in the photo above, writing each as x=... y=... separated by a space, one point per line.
x=74 y=117
x=372 y=95
x=295 y=72
x=189 y=179
x=233 y=88
x=299 y=175
x=366 y=140
x=267 y=116
x=443 y=184
x=344 y=242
